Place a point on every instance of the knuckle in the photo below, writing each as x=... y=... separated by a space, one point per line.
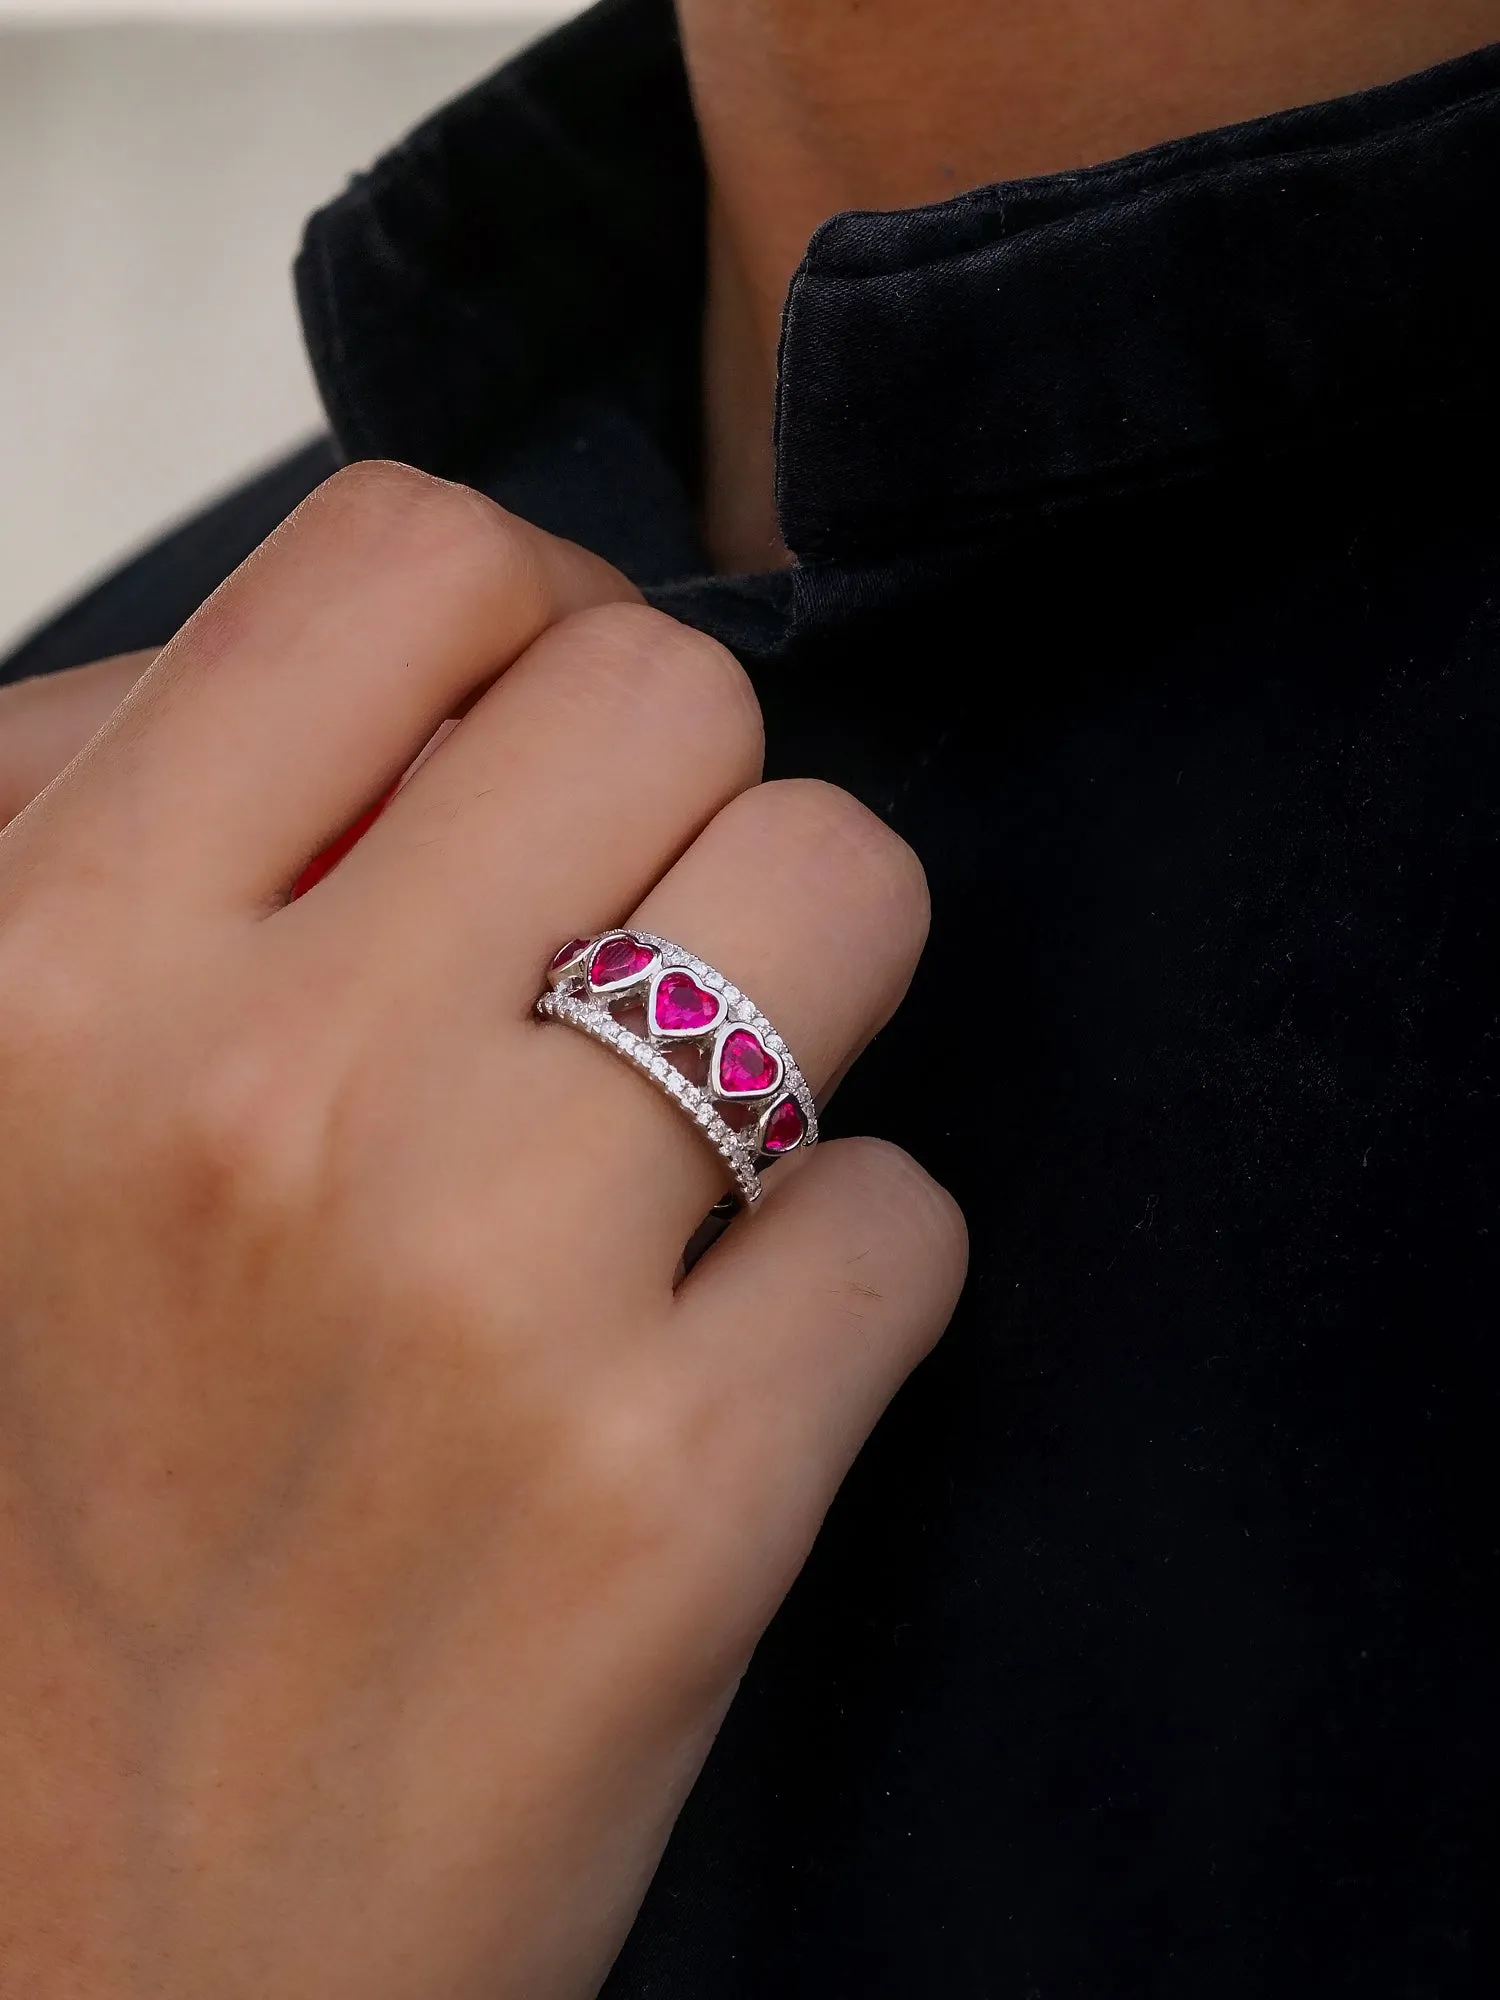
x=245 y=1134
x=419 y=521
x=379 y=485
x=794 y=818
x=376 y=490
x=640 y=661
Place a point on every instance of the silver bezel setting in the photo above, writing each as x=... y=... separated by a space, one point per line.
x=763 y=1123
x=615 y=987
x=571 y=1000
x=700 y=1034
x=563 y=974
x=716 y=1076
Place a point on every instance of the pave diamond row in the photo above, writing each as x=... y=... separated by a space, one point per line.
x=592 y=1019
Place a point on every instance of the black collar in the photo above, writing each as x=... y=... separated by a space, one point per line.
x=1318 y=279
x=538 y=239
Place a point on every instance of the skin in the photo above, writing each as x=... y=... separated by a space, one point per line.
x=385 y=1524
x=808 y=107
x=387 y=1527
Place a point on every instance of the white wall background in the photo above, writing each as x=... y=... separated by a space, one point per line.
x=154 y=175
x=429 y=13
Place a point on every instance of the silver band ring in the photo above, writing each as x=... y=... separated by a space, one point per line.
x=696 y=1037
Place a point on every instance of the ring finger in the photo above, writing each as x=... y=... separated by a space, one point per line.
x=809 y=903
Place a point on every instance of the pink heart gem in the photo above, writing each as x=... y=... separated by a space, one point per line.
x=746 y=1067
x=617 y=960
x=786 y=1127
x=574 y=948
x=683 y=1007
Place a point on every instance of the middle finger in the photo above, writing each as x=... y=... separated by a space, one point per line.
x=553 y=805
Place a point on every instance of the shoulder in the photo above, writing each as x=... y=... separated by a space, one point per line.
x=144 y=601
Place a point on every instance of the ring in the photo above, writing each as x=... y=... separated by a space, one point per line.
x=696 y=1036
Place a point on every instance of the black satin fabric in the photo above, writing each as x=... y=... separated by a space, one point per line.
x=1149 y=582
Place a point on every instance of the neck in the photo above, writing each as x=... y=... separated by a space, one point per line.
x=807 y=107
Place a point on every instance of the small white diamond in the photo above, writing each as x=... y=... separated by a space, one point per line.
x=745 y=1011
x=659 y=1065
x=704 y=1114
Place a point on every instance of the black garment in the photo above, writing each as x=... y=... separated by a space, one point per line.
x=1148 y=550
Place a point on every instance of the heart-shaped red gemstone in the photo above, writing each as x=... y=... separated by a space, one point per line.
x=618 y=960
x=683 y=1007
x=786 y=1127
x=574 y=948
x=746 y=1067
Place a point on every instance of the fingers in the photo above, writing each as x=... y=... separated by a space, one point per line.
x=45 y=723
x=805 y=1323
x=309 y=680
x=566 y=791
x=812 y=906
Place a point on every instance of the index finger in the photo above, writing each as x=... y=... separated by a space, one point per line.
x=299 y=692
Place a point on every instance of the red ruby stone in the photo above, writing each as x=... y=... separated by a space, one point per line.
x=786 y=1127
x=574 y=948
x=746 y=1068
x=619 y=959
x=682 y=1005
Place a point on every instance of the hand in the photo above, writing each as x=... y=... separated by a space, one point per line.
x=381 y=1534
x=45 y=723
